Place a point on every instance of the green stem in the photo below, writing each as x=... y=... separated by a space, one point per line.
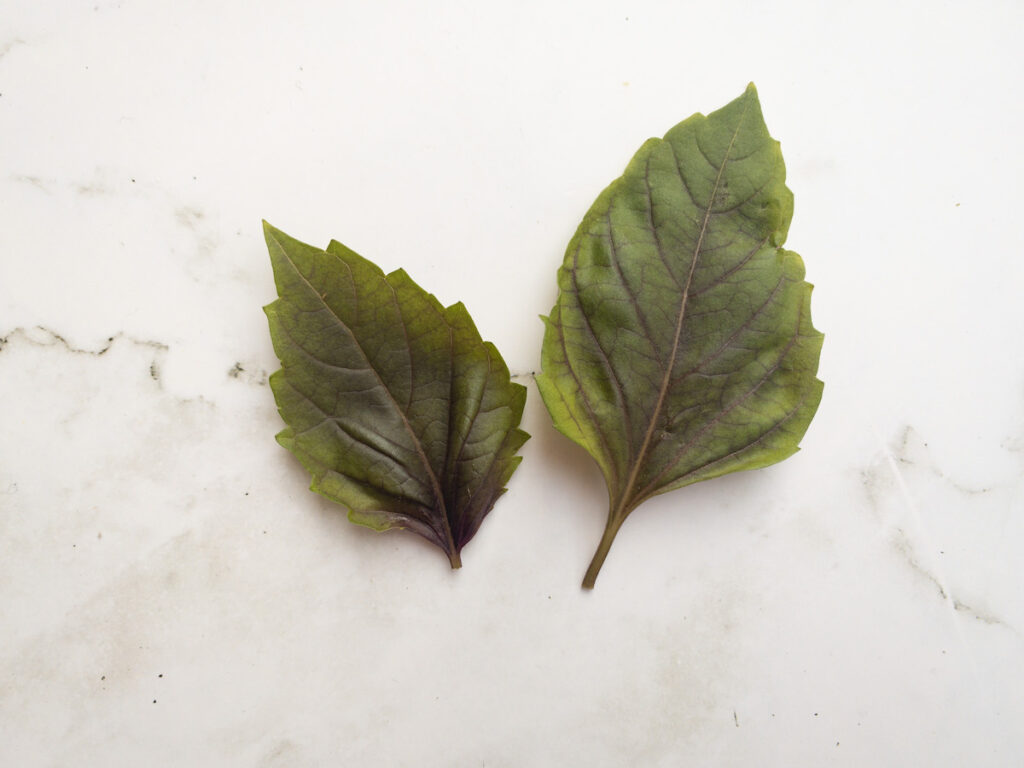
x=612 y=528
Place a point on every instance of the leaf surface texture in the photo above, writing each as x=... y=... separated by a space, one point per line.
x=681 y=346
x=394 y=404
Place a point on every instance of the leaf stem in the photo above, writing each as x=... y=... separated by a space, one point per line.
x=455 y=559
x=612 y=528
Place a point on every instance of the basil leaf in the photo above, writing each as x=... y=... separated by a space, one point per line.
x=681 y=346
x=393 y=402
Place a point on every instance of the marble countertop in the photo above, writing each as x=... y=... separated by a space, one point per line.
x=171 y=594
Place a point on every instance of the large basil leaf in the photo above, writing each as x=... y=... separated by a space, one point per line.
x=681 y=346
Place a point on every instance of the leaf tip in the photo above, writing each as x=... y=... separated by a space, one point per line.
x=273 y=237
x=749 y=96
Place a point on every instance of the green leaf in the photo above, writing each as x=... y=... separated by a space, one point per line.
x=681 y=346
x=393 y=403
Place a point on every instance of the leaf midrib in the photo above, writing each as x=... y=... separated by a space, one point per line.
x=624 y=505
x=435 y=484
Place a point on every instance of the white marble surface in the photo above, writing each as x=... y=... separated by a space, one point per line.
x=172 y=595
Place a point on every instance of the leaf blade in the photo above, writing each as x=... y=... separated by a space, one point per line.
x=377 y=379
x=681 y=346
